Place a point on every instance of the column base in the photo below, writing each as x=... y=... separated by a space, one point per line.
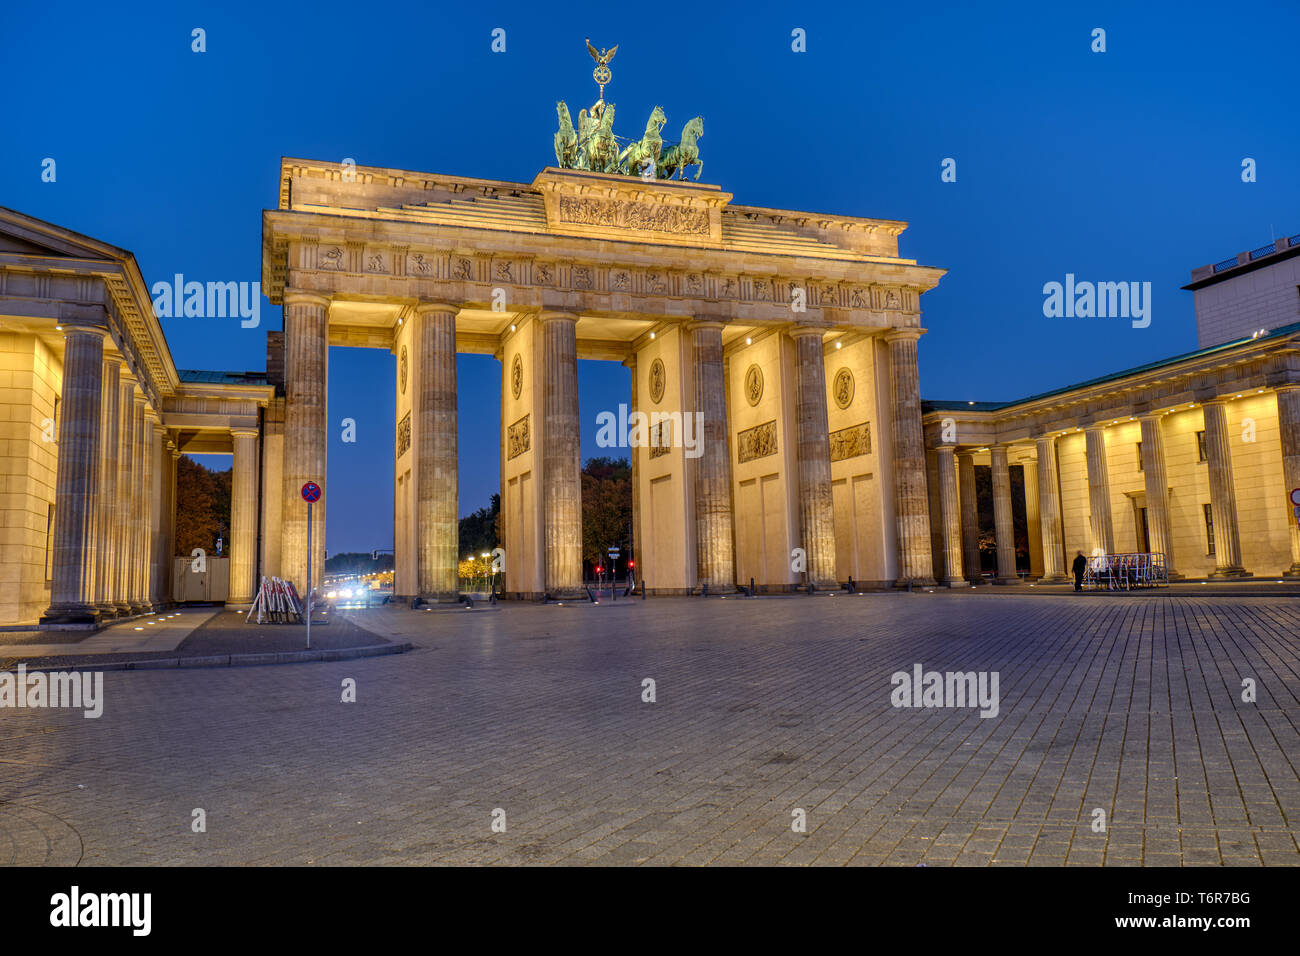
x=123 y=609
x=71 y=614
x=916 y=583
x=1054 y=579
x=107 y=612
x=1231 y=573
x=955 y=583
x=141 y=608
x=1292 y=572
x=1009 y=581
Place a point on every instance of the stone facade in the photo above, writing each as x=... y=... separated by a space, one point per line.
x=729 y=316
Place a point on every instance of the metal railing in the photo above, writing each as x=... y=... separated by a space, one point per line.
x=1226 y=264
x=1125 y=572
x=1263 y=251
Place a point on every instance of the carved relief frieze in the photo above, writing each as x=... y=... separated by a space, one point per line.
x=404 y=435
x=518 y=439
x=633 y=215
x=851 y=442
x=661 y=438
x=757 y=442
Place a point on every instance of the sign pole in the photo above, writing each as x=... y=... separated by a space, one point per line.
x=310 y=494
x=307 y=598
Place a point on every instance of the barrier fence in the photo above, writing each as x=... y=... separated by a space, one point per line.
x=1123 y=572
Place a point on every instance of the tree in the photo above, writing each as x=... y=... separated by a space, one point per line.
x=202 y=508
x=606 y=508
x=480 y=531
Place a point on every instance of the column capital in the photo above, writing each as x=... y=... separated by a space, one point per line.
x=1216 y=400
x=97 y=331
x=304 y=297
x=435 y=306
x=243 y=433
x=1286 y=387
x=951 y=449
x=547 y=315
x=899 y=335
x=802 y=331
x=703 y=322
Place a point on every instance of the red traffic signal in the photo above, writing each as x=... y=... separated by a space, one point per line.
x=631 y=564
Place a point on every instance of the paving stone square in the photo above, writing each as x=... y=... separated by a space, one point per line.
x=1127 y=705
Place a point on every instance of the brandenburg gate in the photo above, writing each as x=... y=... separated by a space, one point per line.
x=792 y=334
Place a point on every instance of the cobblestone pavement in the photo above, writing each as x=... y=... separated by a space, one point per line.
x=1131 y=706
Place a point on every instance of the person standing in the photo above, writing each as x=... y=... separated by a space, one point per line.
x=1080 y=563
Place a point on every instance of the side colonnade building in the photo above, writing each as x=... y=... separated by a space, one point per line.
x=1193 y=457
x=95 y=415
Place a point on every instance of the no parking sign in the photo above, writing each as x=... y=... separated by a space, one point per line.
x=1295 y=500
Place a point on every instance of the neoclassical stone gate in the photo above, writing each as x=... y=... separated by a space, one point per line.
x=793 y=334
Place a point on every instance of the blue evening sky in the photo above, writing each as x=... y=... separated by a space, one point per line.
x=1118 y=166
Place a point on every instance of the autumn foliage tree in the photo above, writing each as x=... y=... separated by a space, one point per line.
x=202 y=507
x=606 y=507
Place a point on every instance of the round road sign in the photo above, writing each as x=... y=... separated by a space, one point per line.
x=1295 y=496
x=311 y=492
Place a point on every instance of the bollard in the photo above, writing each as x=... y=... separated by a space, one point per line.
x=752 y=590
x=643 y=589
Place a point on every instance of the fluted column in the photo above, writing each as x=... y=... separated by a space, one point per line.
x=156 y=516
x=139 y=478
x=1049 y=512
x=243 y=517
x=561 y=469
x=970 y=519
x=715 y=558
x=1288 y=420
x=306 y=388
x=122 y=503
x=950 y=516
x=911 y=500
x=1030 y=469
x=816 y=506
x=105 y=511
x=169 y=552
x=635 y=406
x=437 y=488
x=144 y=515
x=1103 y=525
x=1159 y=538
x=72 y=589
x=1003 y=524
x=1223 y=497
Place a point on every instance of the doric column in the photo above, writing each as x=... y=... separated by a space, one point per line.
x=145 y=533
x=306 y=386
x=970 y=518
x=1004 y=528
x=1049 y=512
x=106 y=504
x=169 y=553
x=139 y=478
x=715 y=558
x=950 y=516
x=243 y=517
x=561 y=469
x=1032 y=517
x=72 y=589
x=1103 y=526
x=122 y=504
x=911 y=500
x=635 y=555
x=156 y=515
x=1159 y=538
x=1288 y=420
x=816 y=506
x=437 y=489
x=1223 y=497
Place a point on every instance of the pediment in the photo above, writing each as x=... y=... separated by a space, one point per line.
x=27 y=236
